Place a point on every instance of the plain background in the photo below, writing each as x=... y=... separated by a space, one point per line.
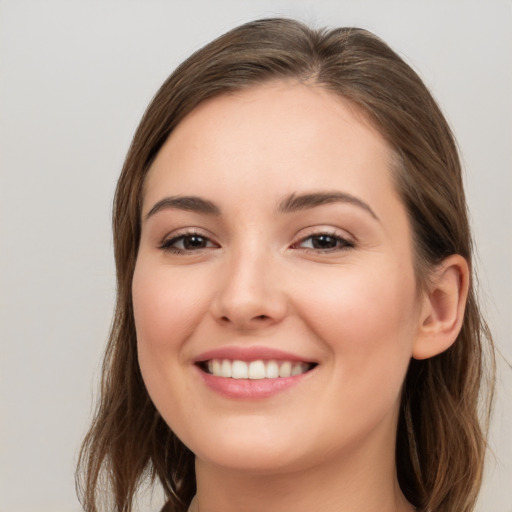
x=75 y=77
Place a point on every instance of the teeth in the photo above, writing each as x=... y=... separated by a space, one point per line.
x=297 y=369
x=255 y=370
x=225 y=369
x=239 y=369
x=285 y=370
x=272 y=370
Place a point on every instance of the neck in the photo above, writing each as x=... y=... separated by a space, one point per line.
x=357 y=483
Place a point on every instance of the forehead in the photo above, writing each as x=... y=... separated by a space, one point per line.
x=275 y=137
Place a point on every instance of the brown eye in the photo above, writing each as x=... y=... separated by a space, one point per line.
x=192 y=242
x=325 y=242
x=187 y=243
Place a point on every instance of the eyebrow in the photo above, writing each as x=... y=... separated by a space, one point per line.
x=294 y=202
x=290 y=204
x=188 y=203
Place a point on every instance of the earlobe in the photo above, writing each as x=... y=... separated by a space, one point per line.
x=443 y=308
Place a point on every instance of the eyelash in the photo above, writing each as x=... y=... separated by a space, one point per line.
x=168 y=245
x=342 y=244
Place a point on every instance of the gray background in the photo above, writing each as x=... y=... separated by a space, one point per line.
x=75 y=77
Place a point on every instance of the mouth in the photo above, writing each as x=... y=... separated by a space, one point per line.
x=254 y=370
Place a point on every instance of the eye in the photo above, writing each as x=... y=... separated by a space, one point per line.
x=188 y=242
x=324 y=242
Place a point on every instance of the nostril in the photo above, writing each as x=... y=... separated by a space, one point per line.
x=259 y=318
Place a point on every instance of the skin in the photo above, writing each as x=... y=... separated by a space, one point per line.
x=259 y=279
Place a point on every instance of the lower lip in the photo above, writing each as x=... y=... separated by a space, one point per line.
x=250 y=389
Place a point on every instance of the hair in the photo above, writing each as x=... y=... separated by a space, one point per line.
x=441 y=436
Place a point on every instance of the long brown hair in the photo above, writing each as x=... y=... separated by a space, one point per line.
x=441 y=438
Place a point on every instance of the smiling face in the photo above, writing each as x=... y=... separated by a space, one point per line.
x=274 y=246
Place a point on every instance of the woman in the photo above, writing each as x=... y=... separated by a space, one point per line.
x=296 y=324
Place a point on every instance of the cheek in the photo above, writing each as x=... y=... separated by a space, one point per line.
x=368 y=321
x=166 y=307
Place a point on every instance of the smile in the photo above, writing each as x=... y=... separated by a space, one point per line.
x=254 y=370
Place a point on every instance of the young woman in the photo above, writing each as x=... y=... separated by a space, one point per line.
x=296 y=324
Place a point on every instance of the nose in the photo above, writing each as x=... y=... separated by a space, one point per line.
x=250 y=294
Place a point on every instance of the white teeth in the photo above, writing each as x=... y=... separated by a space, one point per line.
x=285 y=370
x=225 y=368
x=272 y=370
x=297 y=369
x=216 y=367
x=239 y=369
x=255 y=370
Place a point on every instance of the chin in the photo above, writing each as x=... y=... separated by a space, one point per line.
x=247 y=451
x=251 y=460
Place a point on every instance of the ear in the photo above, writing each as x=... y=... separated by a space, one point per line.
x=443 y=308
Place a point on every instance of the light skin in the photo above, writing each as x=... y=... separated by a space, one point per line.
x=270 y=219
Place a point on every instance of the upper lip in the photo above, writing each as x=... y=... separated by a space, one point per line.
x=254 y=353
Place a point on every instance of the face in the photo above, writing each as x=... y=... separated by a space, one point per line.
x=275 y=300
